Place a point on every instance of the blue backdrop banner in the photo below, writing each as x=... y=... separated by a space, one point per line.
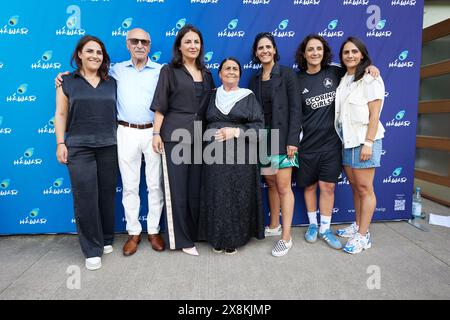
x=37 y=39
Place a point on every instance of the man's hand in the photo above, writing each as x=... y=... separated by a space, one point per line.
x=373 y=71
x=59 y=80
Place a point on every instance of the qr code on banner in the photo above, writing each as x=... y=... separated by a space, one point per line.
x=399 y=205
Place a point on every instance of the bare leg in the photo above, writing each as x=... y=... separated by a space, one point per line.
x=326 y=198
x=356 y=201
x=368 y=201
x=274 y=201
x=310 y=194
x=287 y=201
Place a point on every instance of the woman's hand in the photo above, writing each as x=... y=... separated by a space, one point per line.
x=366 y=153
x=61 y=153
x=226 y=134
x=157 y=144
x=290 y=151
x=373 y=71
x=59 y=80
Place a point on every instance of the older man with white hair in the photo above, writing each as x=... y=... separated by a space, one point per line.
x=136 y=83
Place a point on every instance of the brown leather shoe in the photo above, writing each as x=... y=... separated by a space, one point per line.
x=130 y=247
x=157 y=242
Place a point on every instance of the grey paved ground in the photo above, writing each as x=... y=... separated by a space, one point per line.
x=412 y=265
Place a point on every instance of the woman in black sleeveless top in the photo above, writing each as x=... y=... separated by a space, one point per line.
x=85 y=128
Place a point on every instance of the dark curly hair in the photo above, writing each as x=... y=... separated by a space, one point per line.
x=299 y=54
x=75 y=59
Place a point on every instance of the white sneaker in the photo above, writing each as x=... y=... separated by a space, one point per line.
x=272 y=232
x=281 y=248
x=348 y=232
x=107 y=249
x=358 y=243
x=93 y=263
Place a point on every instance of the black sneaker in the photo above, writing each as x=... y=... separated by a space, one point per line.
x=230 y=251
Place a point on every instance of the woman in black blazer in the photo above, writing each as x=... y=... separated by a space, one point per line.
x=180 y=102
x=276 y=89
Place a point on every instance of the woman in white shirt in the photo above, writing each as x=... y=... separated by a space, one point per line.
x=359 y=100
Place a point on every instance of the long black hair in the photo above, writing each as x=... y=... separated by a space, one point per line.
x=365 y=60
x=75 y=59
x=300 y=53
x=258 y=37
x=177 y=57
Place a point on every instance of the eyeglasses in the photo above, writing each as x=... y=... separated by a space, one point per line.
x=135 y=42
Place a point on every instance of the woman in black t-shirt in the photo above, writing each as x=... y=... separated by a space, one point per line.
x=180 y=101
x=85 y=128
x=320 y=151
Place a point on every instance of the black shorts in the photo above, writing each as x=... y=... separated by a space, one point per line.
x=321 y=166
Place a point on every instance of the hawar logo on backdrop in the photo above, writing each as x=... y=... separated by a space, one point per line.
x=123 y=29
x=355 y=2
x=281 y=31
x=205 y=1
x=1 y=65
x=399 y=120
x=307 y=2
x=140 y=218
x=208 y=59
x=402 y=61
x=375 y=24
x=231 y=30
x=331 y=30
x=19 y=95
x=73 y=23
x=180 y=24
x=156 y=56
x=34 y=217
x=12 y=27
x=251 y=65
x=343 y=180
x=48 y=128
x=4 y=130
x=403 y=2
x=5 y=189
x=44 y=62
x=27 y=159
x=56 y=188
x=256 y=2
x=396 y=177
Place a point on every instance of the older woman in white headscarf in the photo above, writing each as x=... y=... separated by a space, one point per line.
x=231 y=206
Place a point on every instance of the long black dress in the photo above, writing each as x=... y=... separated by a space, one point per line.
x=231 y=205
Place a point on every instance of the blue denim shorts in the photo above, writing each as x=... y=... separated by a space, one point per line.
x=350 y=157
